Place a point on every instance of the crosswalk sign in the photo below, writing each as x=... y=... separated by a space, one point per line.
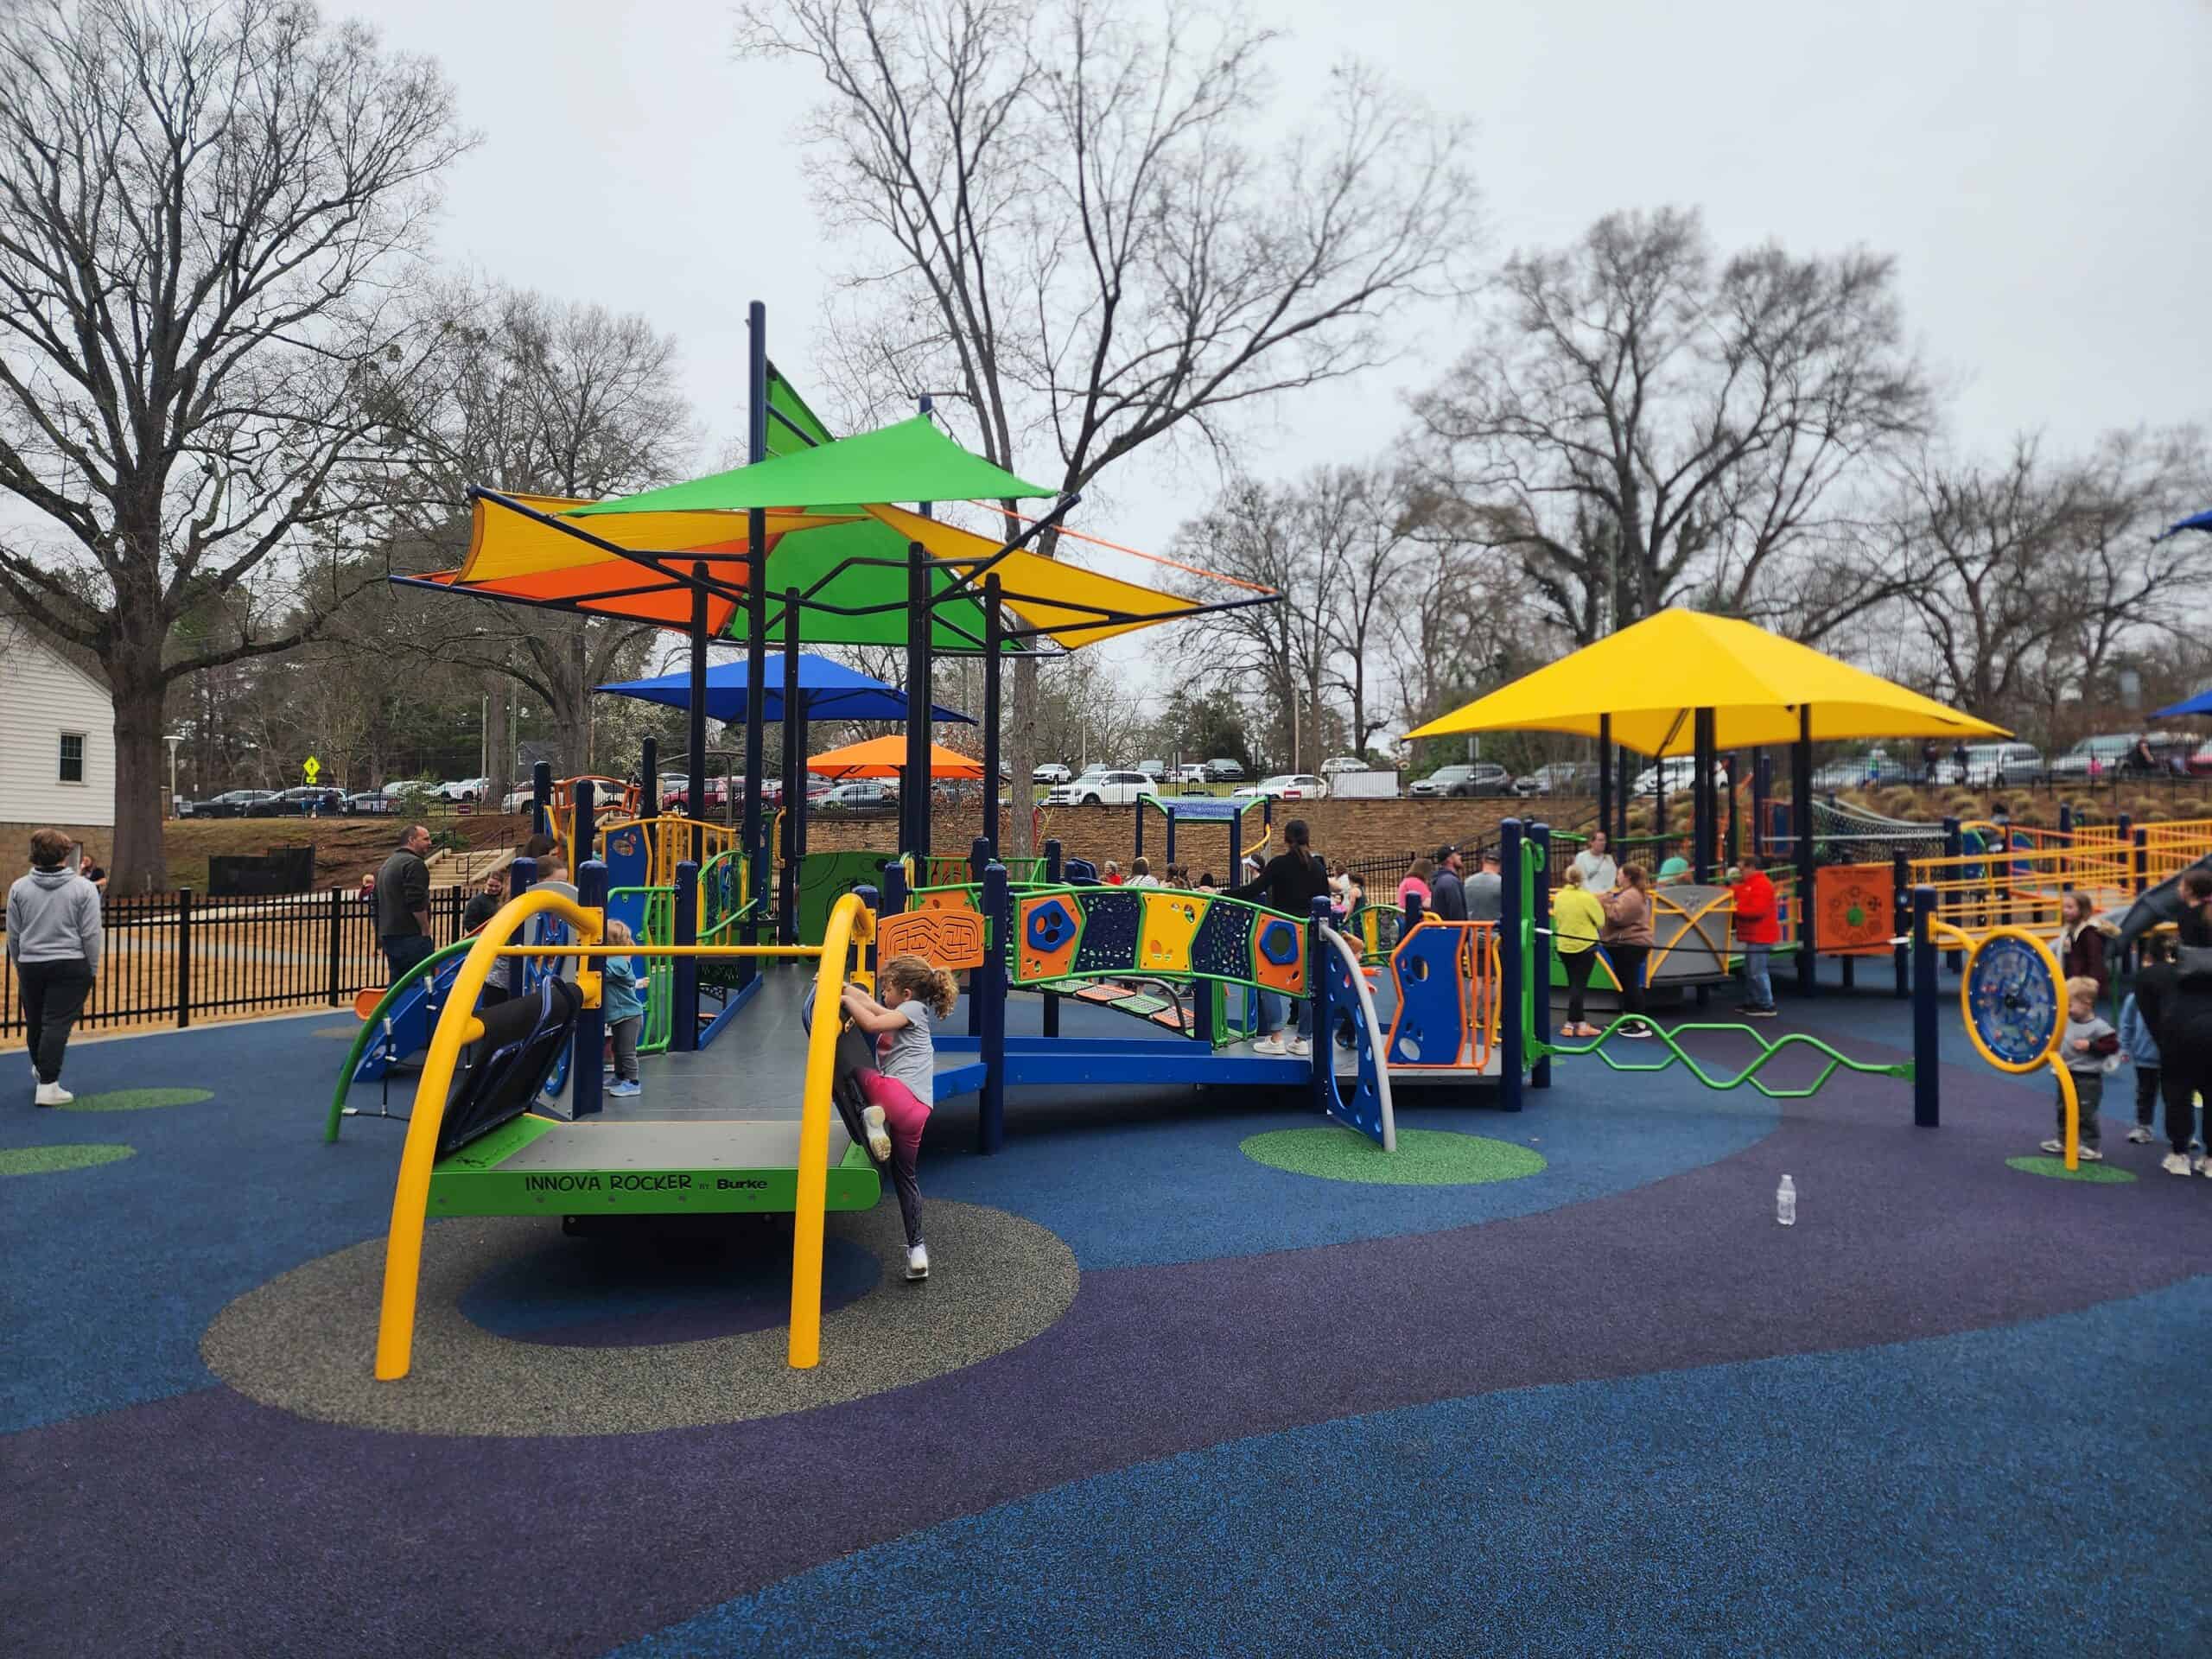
x=312 y=768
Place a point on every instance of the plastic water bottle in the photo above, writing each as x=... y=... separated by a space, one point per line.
x=1785 y=1203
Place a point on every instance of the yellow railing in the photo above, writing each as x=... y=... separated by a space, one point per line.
x=2021 y=887
x=850 y=922
x=670 y=841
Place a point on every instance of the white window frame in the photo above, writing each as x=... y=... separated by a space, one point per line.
x=84 y=761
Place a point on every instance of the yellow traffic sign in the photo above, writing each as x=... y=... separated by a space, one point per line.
x=312 y=768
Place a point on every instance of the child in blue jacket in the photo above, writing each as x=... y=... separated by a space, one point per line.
x=2141 y=1048
x=624 y=1005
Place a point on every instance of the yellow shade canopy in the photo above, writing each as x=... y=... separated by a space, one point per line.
x=885 y=757
x=1652 y=676
x=1064 y=600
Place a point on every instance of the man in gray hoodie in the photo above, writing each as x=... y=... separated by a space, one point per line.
x=54 y=939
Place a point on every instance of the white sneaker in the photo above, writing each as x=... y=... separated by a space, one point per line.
x=52 y=1093
x=2090 y=1156
x=1270 y=1045
x=1300 y=1047
x=917 y=1262
x=2055 y=1147
x=2175 y=1163
x=2140 y=1134
x=879 y=1147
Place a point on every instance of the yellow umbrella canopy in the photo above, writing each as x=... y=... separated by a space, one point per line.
x=1652 y=676
x=885 y=757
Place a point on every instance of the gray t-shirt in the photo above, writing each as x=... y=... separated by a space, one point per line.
x=907 y=1054
x=1485 y=895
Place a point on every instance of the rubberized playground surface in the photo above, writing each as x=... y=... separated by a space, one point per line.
x=1184 y=1380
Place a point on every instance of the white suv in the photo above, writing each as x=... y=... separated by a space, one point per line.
x=1103 y=787
x=1289 y=786
x=1050 y=773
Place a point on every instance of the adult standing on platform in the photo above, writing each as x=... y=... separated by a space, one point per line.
x=1485 y=890
x=403 y=902
x=1289 y=884
x=1599 y=873
x=54 y=939
x=1447 y=894
x=1628 y=942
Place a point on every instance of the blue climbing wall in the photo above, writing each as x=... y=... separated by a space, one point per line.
x=1431 y=1022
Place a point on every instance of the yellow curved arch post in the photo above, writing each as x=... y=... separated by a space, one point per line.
x=411 y=1199
x=851 y=923
x=2050 y=1056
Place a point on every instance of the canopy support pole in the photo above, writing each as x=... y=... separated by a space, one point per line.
x=1801 y=791
x=1706 y=757
x=794 y=777
x=756 y=623
x=992 y=642
x=914 y=801
x=1606 y=773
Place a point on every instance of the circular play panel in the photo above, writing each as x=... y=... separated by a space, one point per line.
x=304 y=1342
x=1424 y=1157
x=2055 y=1169
x=46 y=1161
x=138 y=1099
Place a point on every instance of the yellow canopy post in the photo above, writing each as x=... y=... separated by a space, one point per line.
x=1652 y=676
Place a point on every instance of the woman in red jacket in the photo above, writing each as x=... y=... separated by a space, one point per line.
x=1758 y=929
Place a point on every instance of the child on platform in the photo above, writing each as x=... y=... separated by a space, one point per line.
x=623 y=1007
x=2141 y=1047
x=2088 y=1043
x=900 y=1090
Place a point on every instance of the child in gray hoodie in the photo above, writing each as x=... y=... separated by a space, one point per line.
x=54 y=939
x=2089 y=1047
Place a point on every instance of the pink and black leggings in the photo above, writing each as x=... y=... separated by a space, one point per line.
x=905 y=1117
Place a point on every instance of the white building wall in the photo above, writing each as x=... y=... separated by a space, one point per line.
x=44 y=694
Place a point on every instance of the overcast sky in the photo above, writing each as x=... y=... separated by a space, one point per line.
x=2039 y=169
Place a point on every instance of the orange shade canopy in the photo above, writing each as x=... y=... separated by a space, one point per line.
x=885 y=757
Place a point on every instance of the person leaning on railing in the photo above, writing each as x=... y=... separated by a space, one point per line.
x=54 y=939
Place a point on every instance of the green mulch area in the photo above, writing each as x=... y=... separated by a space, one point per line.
x=138 y=1099
x=2055 y=1169
x=44 y=1160
x=1424 y=1157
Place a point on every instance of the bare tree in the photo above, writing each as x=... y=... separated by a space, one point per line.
x=1063 y=224
x=1642 y=424
x=204 y=208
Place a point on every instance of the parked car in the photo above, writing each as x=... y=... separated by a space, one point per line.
x=1995 y=764
x=1103 y=788
x=369 y=802
x=1050 y=773
x=863 y=797
x=1475 y=778
x=1221 y=770
x=1289 y=786
x=298 y=803
x=399 y=787
x=2108 y=750
x=1339 y=762
x=470 y=790
x=1194 y=772
x=1153 y=768
x=518 y=799
x=1680 y=771
x=234 y=803
x=1560 y=778
x=717 y=795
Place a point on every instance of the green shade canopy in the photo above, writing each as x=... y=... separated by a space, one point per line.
x=801 y=561
x=788 y=409
x=911 y=461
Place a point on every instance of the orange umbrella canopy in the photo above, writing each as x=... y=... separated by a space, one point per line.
x=885 y=757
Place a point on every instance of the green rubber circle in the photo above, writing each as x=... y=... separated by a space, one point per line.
x=138 y=1099
x=45 y=1160
x=2055 y=1169
x=1424 y=1157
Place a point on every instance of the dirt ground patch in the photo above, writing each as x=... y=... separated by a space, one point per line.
x=344 y=849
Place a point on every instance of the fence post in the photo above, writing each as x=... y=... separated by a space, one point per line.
x=337 y=924
x=1513 y=989
x=183 y=958
x=1901 y=919
x=1926 y=1099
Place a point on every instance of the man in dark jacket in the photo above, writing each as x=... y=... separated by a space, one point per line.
x=2175 y=1003
x=403 y=902
x=1447 y=893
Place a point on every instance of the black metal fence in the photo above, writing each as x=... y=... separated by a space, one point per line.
x=174 y=957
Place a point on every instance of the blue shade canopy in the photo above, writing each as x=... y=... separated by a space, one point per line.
x=827 y=691
x=2196 y=521
x=2199 y=704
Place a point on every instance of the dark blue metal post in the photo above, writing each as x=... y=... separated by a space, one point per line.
x=894 y=888
x=1168 y=807
x=1762 y=785
x=1954 y=847
x=986 y=987
x=1901 y=919
x=541 y=799
x=522 y=874
x=584 y=846
x=994 y=655
x=649 y=780
x=1052 y=878
x=915 y=780
x=979 y=864
x=1540 y=972
x=1606 y=773
x=585 y=1085
x=684 y=987
x=758 y=559
x=1138 y=850
x=1926 y=1101
x=1702 y=816
x=794 y=779
x=872 y=898
x=1235 y=875
x=1513 y=986
x=1801 y=800
x=1323 y=1055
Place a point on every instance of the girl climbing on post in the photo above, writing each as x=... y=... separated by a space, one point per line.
x=901 y=1088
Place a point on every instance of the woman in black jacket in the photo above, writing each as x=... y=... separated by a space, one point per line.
x=1290 y=883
